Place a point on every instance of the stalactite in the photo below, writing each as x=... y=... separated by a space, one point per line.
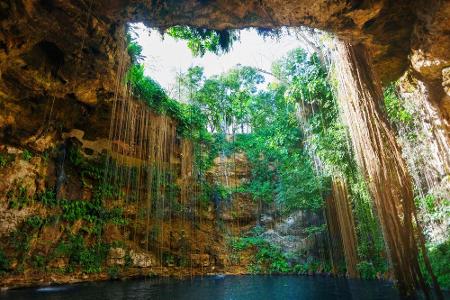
x=379 y=156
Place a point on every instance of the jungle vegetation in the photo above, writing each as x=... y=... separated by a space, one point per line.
x=290 y=131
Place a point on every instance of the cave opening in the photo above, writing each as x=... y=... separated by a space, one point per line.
x=236 y=132
x=243 y=145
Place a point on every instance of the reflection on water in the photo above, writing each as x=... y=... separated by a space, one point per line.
x=216 y=287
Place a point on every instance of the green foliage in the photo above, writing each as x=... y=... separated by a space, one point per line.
x=90 y=211
x=116 y=216
x=20 y=242
x=148 y=90
x=88 y=258
x=5 y=159
x=190 y=120
x=308 y=84
x=91 y=259
x=233 y=102
x=82 y=252
x=168 y=259
x=268 y=258
x=48 y=198
x=434 y=208
x=273 y=33
x=201 y=40
x=74 y=156
x=225 y=100
x=135 y=52
x=223 y=192
x=330 y=143
x=293 y=123
x=18 y=199
x=128 y=260
x=35 y=222
x=38 y=262
x=113 y=272
x=27 y=155
x=313 y=230
x=293 y=196
x=79 y=210
x=90 y=170
x=439 y=256
x=64 y=248
x=366 y=270
x=395 y=108
x=370 y=239
x=4 y=263
x=311 y=265
x=429 y=202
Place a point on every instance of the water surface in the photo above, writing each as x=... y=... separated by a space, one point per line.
x=215 y=288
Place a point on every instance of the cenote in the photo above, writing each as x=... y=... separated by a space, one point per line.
x=216 y=287
x=223 y=149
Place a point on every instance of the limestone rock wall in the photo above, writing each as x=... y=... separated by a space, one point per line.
x=67 y=49
x=32 y=230
x=426 y=148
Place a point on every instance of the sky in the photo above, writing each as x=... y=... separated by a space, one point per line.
x=165 y=57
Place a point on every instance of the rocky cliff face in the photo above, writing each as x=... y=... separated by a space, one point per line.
x=74 y=236
x=427 y=151
x=38 y=232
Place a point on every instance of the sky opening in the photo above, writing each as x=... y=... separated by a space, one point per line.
x=165 y=57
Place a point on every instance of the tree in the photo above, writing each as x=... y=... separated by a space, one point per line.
x=201 y=40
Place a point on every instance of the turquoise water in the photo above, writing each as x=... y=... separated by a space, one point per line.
x=216 y=287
